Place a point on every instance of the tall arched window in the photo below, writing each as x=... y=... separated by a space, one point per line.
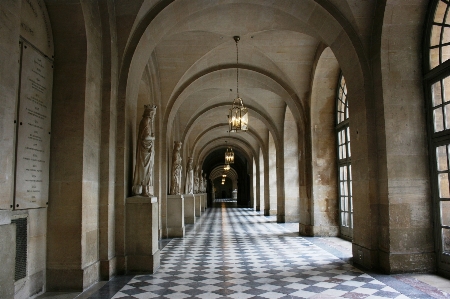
x=344 y=161
x=437 y=92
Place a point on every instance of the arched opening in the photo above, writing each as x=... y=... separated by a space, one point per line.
x=262 y=182
x=291 y=169
x=344 y=161
x=272 y=179
x=437 y=86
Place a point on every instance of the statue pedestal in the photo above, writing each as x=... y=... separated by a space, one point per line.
x=198 y=205
x=141 y=239
x=175 y=216
x=204 y=201
x=189 y=208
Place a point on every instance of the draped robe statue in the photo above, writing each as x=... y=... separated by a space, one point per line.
x=196 y=180
x=189 y=187
x=202 y=183
x=145 y=154
x=205 y=183
x=175 y=186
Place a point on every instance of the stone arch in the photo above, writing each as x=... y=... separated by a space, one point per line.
x=232 y=174
x=324 y=205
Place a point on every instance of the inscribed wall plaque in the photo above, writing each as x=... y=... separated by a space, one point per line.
x=33 y=138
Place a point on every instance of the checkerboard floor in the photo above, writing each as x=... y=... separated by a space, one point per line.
x=238 y=253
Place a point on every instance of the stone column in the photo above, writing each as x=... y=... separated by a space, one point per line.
x=175 y=216
x=189 y=208
x=141 y=247
x=73 y=261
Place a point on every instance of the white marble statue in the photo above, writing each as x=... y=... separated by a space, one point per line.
x=205 y=183
x=196 y=180
x=189 y=186
x=175 y=186
x=201 y=182
x=145 y=154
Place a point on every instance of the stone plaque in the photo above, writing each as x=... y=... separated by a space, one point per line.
x=33 y=135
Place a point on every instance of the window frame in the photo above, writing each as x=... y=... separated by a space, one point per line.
x=436 y=139
x=345 y=232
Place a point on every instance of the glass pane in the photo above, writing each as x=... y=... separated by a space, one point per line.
x=434 y=58
x=445 y=213
x=436 y=94
x=342 y=205
x=441 y=158
x=438 y=120
x=446 y=89
x=343 y=193
x=350 y=172
x=445 y=53
x=443 y=185
x=344 y=152
x=349 y=150
x=346 y=111
x=351 y=221
x=446 y=240
x=350 y=188
x=440 y=12
x=344 y=219
x=446 y=35
x=435 y=35
x=351 y=204
x=244 y=119
x=447 y=116
x=340 y=117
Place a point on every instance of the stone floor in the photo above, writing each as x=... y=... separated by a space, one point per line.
x=238 y=253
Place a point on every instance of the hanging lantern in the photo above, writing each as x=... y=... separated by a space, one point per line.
x=238 y=119
x=229 y=156
x=238 y=115
x=226 y=167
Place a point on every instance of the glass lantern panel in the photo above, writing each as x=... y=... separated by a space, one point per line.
x=244 y=119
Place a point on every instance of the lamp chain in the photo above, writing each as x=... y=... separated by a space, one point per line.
x=237 y=68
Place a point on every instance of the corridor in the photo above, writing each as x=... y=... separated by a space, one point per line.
x=237 y=253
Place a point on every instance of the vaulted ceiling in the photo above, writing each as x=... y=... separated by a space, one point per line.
x=191 y=50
